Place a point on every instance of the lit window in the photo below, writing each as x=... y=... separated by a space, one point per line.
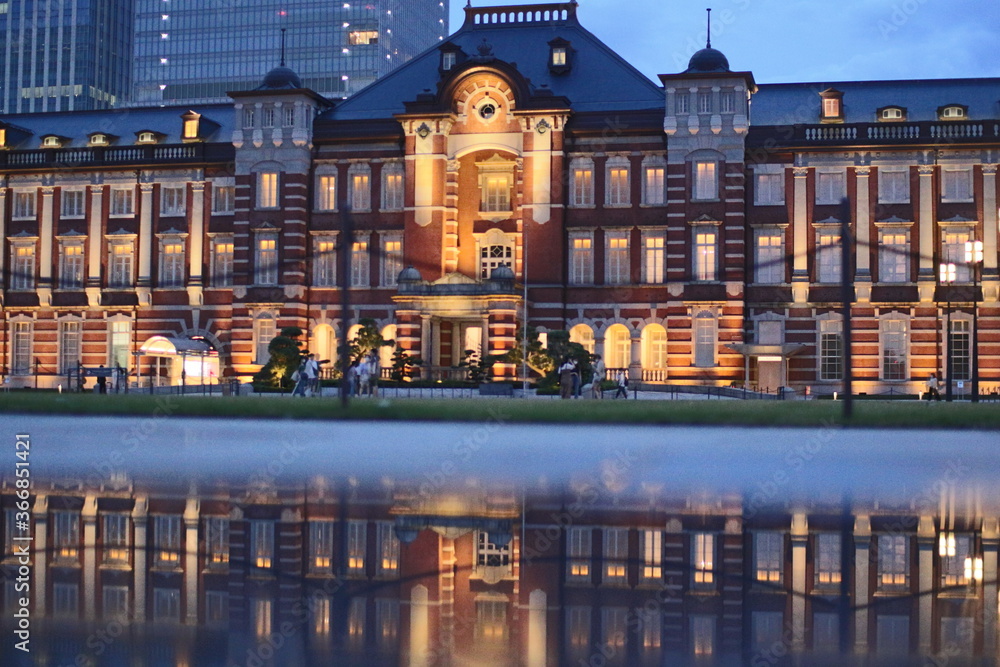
x=831 y=350
x=167 y=541
x=702 y=635
x=893 y=186
x=894 y=347
x=651 y=544
x=321 y=615
x=388 y=550
x=769 y=189
x=325 y=262
x=558 y=56
x=768 y=560
x=321 y=546
x=893 y=565
x=51 y=142
x=72 y=203
x=828 y=257
x=613 y=628
x=23 y=266
x=356 y=615
x=892 y=113
x=831 y=107
x=262 y=544
x=706 y=181
x=581 y=267
x=830 y=187
x=326 y=193
x=121 y=253
x=172 y=200
x=578 y=545
x=770 y=267
x=361 y=199
x=654 y=258
x=3 y=137
x=952 y=113
x=392 y=260
x=147 y=138
x=217 y=541
x=360 y=267
x=362 y=37
x=357 y=541
x=704 y=255
x=615 y=555
x=71 y=265
x=267 y=190
x=263 y=617
x=191 y=128
x=955 y=551
x=618 y=183
x=392 y=188
x=953 y=252
x=266 y=265
x=828 y=559
x=98 y=140
x=172 y=264
x=578 y=627
x=70 y=339
x=654 y=193
x=66 y=535
x=703 y=559
x=222 y=263
x=617 y=268
x=582 y=186
x=495 y=193
x=387 y=622
x=115 y=538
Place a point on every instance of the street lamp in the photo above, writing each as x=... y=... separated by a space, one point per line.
x=973 y=257
x=947 y=278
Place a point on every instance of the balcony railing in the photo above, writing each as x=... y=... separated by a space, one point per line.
x=115 y=155
x=932 y=132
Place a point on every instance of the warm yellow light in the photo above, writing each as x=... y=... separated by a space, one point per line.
x=948 y=273
x=946 y=544
x=973 y=252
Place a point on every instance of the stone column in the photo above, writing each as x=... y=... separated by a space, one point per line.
x=95 y=240
x=485 y=335
x=46 y=237
x=927 y=274
x=925 y=585
x=140 y=521
x=41 y=548
x=89 y=517
x=635 y=362
x=191 y=515
x=419 y=626
x=800 y=537
x=145 y=259
x=3 y=233
x=800 y=235
x=991 y=276
x=537 y=629
x=426 y=344
x=196 y=227
x=991 y=540
x=862 y=233
x=862 y=559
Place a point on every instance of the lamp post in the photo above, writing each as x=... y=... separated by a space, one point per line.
x=947 y=278
x=973 y=257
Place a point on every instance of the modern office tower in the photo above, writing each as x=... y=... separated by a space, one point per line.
x=66 y=55
x=195 y=51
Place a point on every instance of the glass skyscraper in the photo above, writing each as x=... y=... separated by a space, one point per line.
x=58 y=55
x=197 y=50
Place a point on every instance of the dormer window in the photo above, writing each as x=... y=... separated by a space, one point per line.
x=953 y=112
x=98 y=140
x=52 y=141
x=891 y=113
x=3 y=137
x=146 y=138
x=448 y=60
x=559 y=56
x=191 y=129
x=833 y=106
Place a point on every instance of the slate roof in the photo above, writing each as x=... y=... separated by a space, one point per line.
x=599 y=79
x=123 y=123
x=792 y=103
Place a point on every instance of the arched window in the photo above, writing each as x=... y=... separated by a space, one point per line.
x=617 y=346
x=495 y=249
x=385 y=352
x=654 y=347
x=583 y=335
x=324 y=343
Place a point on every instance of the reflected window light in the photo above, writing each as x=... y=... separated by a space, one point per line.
x=164 y=35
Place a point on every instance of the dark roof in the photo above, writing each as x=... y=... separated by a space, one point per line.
x=598 y=78
x=708 y=60
x=792 y=103
x=123 y=123
x=281 y=78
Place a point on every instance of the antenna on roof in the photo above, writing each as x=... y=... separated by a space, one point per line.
x=282 y=47
x=708 y=44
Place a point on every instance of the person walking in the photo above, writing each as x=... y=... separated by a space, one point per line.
x=374 y=373
x=312 y=375
x=932 y=388
x=365 y=376
x=301 y=379
x=575 y=377
x=102 y=381
x=598 y=376
x=566 y=378
x=622 y=385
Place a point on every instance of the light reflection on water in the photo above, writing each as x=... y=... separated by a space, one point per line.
x=602 y=569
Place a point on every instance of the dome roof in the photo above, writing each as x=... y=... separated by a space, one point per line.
x=281 y=77
x=502 y=272
x=409 y=275
x=708 y=60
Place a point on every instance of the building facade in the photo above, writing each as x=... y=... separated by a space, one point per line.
x=195 y=53
x=688 y=232
x=65 y=56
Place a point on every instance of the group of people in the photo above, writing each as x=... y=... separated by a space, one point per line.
x=570 y=382
x=362 y=376
x=306 y=377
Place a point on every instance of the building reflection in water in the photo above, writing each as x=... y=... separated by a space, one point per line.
x=334 y=571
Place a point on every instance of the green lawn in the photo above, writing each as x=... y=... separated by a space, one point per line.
x=750 y=413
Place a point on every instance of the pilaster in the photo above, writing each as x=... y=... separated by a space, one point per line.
x=196 y=262
x=46 y=236
x=191 y=515
x=991 y=276
x=89 y=516
x=926 y=275
x=925 y=586
x=799 y=537
x=800 y=235
x=145 y=260
x=95 y=241
x=140 y=523
x=862 y=233
x=862 y=563
x=41 y=548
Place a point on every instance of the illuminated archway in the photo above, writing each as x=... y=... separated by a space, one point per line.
x=617 y=346
x=584 y=335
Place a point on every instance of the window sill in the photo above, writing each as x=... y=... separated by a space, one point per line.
x=706 y=201
x=168 y=569
x=648 y=205
x=769 y=203
x=120 y=567
x=892 y=593
x=214 y=213
x=969 y=200
x=172 y=214
x=581 y=207
x=63 y=562
x=325 y=210
x=625 y=205
x=121 y=215
x=72 y=217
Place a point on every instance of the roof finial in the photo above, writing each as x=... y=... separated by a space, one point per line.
x=708 y=44
x=282 y=47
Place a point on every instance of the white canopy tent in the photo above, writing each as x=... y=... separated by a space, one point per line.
x=187 y=360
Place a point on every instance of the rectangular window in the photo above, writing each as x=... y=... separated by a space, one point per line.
x=167 y=541
x=363 y=37
x=953 y=251
x=216 y=608
x=828 y=560
x=70 y=340
x=357 y=547
x=703 y=559
x=115 y=603
x=248 y=118
x=223 y=199
x=770 y=267
x=321 y=615
x=651 y=545
x=826 y=632
x=892 y=635
x=654 y=188
x=583 y=187
x=66 y=535
x=288 y=117
x=828 y=258
x=72 y=203
x=578 y=554
x=655 y=258
x=651 y=630
x=830 y=187
x=24 y=205
x=172 y=264
x=262 y=610
x=388 y=550
x=65 y=600
x=122 y=202
x=321 y=546
x=23 y=267
x=217 y=542
x=767 y=629
x=706 y=181
x=704 y=256
x=325 y=263
x=618 y=187
x=172 y=200
x=361 y=199
x=262 y=544
x=831 y=351
x=115 y=538
x=956 y=185
x=71 y=266
x=704 y=342
x=894 y=257
x=961 y=353
x=20 y=354
x=166 y=605
x=728 y=100
x=581 y=271
x=267 y=117
x=768 y=561
x=490 y=553
x=893 y=565
x=267 y=190
x=893 y=186
x=392 y=190
x=120 y=343
x=702 y=636
x=264 y=330
x=578 y=627
x=955 y=550
x=360 y=268
x=558 y=56
x=222 y=263
x=387 y=622
x=831 y=107
x=326 y=193
x=448 y=60
x=613 y=628
x=617 y=268
x=615 y=555
x=121 y=264
x=392 y=260
x=704 y=103
x=356 y=616
x=683 y=103
x=894 y=350
x=495 y=193
x=267 y=260
x=769 y=189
